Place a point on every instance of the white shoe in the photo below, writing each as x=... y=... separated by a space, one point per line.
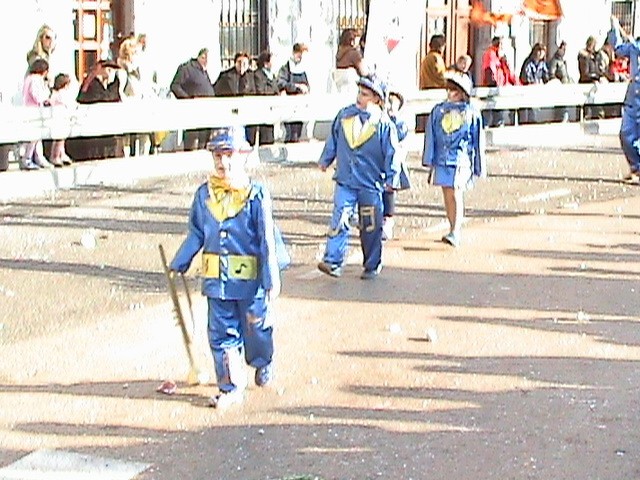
x=387 y=228
x=225 y=400
x=632 y=178
x=42 y=162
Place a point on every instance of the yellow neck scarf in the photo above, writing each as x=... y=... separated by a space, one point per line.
x=366 y=133
x=226 y=201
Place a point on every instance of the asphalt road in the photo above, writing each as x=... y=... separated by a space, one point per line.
x=44 y=236
x=532 y=315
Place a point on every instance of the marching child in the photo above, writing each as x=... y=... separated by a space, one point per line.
x=364 y=144
x=231 y=222
x=395 y=101
x=454 y=150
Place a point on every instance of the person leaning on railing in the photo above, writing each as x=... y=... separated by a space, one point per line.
x=238 y=81
x=293 y=80
x=350 y=64
x=266 y=83
x=191 y=80
x=100 y=86
x=432 y=70
x=534 y=72
x=496 y=72
x=558 y=72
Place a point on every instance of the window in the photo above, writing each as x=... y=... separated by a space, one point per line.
x=93 y=34
x=243 y=28
x=539 y=32
x=625 y=12
x=352 y=14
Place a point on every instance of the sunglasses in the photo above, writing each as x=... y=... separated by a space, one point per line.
x=47 y=37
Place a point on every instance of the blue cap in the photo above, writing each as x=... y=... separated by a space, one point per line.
x=228 y=139
x=374 y=84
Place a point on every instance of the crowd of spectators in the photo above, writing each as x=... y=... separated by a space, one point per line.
x=595 y=65
x=130 y=76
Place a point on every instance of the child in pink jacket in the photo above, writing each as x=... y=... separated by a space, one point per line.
x=35 y=93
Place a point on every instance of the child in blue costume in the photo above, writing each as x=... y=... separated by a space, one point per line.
x=363 y=143
x=231 y=222
x=626 y=46
x=395 y=103
x=454 y=150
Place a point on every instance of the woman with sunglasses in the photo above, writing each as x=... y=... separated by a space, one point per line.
x=43 y=46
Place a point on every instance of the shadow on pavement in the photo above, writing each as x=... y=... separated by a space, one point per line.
x=571 y=293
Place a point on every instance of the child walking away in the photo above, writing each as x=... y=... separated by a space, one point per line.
x=61 y=96
x=364 y=144
x=395 y=102
x=242 y=253
x=35 y=93
x=454 y=150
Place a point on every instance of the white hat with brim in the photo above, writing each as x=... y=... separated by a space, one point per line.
x=461 y=80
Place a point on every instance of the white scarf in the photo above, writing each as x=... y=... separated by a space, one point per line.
x=296 y=67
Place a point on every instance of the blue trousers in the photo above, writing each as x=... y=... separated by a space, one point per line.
x=369 y=205
x=237 y=326
x=630 y=137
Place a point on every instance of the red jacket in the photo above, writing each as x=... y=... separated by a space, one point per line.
x=495 y=70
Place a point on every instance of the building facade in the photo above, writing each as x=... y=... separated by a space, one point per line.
x=88 y=30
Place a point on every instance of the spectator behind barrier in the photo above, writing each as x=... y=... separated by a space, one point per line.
x=191 y=80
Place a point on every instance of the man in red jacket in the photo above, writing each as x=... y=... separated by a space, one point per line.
x=496 y=72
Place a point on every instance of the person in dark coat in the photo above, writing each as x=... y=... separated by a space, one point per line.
x=101 y=85
x=191 y=80
x=238 y=81
x=558 y=71
x=292 y=79
x=266 y=83
x=587 y=65
x=558 y=65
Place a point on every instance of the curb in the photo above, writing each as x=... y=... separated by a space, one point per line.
x=16 y=184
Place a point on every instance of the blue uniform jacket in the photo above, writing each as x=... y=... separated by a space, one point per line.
x=251 y=232
x=369 y=165
x=454 y=135
x=632 y=51
x=401 y=127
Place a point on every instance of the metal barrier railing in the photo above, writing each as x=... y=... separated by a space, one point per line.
x=19 y=124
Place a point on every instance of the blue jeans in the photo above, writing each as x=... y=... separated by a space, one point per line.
x=369 y=205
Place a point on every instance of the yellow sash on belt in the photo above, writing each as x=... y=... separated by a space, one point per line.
x=240 y=267
x=226 y=201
